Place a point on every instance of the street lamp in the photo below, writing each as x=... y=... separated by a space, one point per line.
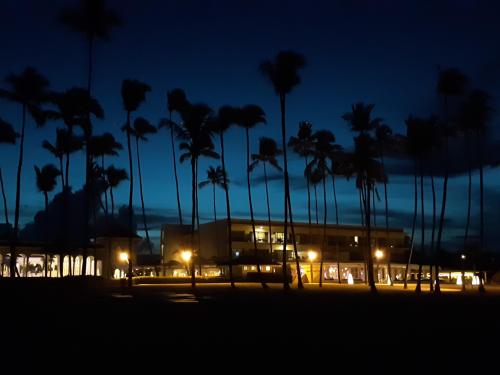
x=124 y=257
x=379 y=254
x=312 y=255
x=186 y=256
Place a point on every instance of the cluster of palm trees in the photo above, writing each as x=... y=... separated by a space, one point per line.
x=198 y=128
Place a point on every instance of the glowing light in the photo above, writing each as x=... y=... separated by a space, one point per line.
x=459 y=280
x=186 y=255
x=312 y=255
x=475 y=280
x=123 y=256
x=350 y=280
x=379 y=254
x=462 y=256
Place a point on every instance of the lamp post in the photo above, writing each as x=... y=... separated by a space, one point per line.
x=311 y=255
x=186 y=256
x=124 y=257
x=379 y=254
x=463 y=257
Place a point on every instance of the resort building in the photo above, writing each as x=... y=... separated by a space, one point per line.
x=344 y=249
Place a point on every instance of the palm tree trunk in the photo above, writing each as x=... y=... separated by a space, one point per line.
x=142 y=196
x=268 y=212
x=62 y=171
x=422 y=230
x=228 y=212
x=362 y=212
x=112 y=202
x=371 y=280
x=175 y=172
x=308 y=197
x=323 y=246
x=215 y=205
x=481 y=213
x=412 y=238
x=337 y=246
x=105 y=192
x=286 y=285
x=316 y=203
x=130 y=200
x=45 y=194
x=386 y=199
x=467 y=222
x=431 y=285
x=256 y=252
x=13 y=253
x=198 y=216
x=6 y=210
x=193 y=216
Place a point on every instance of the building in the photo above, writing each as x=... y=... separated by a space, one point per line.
x=344 y=248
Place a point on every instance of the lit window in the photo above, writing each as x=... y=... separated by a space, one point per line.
x=237 y=253
x=268 y=268
x=356 y=239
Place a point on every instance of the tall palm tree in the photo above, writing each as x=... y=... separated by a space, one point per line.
x=283 y=74
x=94 y=21
x=475 y=115
x=142 y=128
x=133 y=94
x=215 y=177
x=324 y=149
x=302 y=145
x=114 y=176
x=250 y=116
x=367 y=169
x=451 y=83
x=196 y=133
x=268 y=151
x=226 y=117
x=46 y=180
x=30 y=90
x=7 y=136
x=383 y=135
x=176 y=102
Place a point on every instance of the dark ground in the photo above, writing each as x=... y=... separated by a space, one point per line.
x=79 y=324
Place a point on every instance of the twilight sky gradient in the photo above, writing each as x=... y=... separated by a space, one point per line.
x=382 y=52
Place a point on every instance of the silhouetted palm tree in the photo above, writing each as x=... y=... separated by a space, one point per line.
x=383 y=135
x=475 y=115
x=367 y=169
x=133 y=94
x=283 y=74
x=268 y=151
x=29 y=89
x=451 y=83
x=250 y=116
x=94 y=21
x=7 y=136
x=176 y=102
x=215 y=177
x=114 y=176
x=226 y=116
x=46 y=180
x=302 y=145
x=324 y=150
x=195 y=130
x=142 y=128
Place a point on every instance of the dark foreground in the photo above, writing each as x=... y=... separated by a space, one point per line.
x=91 y=325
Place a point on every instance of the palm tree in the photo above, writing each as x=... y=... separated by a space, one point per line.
x=268 y=151
x=7 y=136
x=250 y=116
x=383 y=135
x=215 y=177
x=367 y=169
x=114 y=176
x=226 y=116
x=142 y=128
x=46 y=180
x=475 y=115
x=30 y=90
x=133 y=94
x=196 y=133
x=282 y=72
x=302 y=145
x=94 y=21
x=176 y=102
x=324 y=150
x=451 y=83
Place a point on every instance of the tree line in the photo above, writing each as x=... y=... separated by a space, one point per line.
x=197 y=131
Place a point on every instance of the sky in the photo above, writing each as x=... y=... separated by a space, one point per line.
x=381 y=52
